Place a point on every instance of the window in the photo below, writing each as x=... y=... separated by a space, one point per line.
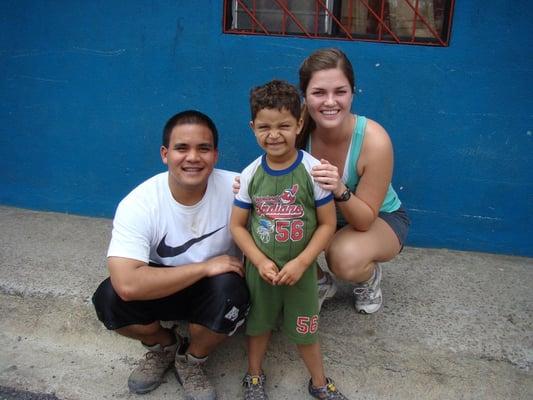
x=425 y=22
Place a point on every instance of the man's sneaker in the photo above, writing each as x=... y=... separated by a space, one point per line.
x=191 y=375
x=254 y=387
x=326 y=290
x=327 y=392
x=152 y=368
x=367 y=295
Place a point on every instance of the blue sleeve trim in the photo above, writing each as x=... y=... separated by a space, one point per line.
x=242 y=204
x=323 y=201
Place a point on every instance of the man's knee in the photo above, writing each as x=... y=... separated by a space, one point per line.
x=102 y=298
x=137 y=331
x=226 y=303
x=232 y=288
x=110 y=309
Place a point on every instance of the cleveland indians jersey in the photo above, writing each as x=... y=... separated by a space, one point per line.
x=283 y=206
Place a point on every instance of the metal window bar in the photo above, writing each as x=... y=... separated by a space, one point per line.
x=398 y=21
x=424 y=21
x=277 y=17
x=286 y=11
x=381 y=21
x=251 y=14
x=341 y=26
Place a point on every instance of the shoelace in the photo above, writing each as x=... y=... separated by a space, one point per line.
x=363 y=293
x=152 y=359
x=196 y=376
x=333 y=393
x=329 y=392
x=256 y=387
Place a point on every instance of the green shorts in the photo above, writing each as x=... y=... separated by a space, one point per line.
x=298 y=306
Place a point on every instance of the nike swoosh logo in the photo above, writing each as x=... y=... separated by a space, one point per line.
x=166 y=251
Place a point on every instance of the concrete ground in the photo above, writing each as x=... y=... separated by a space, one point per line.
x=454 y=325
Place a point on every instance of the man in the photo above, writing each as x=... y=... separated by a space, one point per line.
x=171 y=257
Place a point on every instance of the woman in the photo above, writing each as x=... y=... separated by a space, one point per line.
x=356 y=165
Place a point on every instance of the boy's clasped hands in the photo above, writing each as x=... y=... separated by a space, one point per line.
x=289 y=275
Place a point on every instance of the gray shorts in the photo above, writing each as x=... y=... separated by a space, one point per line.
x=399 y=221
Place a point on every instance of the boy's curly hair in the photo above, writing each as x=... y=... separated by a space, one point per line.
x=276 y=94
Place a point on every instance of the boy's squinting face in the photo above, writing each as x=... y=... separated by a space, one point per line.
x=276 y=132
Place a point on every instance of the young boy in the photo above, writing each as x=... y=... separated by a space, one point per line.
x=292 y=220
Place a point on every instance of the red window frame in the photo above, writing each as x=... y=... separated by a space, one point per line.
x=419 y=22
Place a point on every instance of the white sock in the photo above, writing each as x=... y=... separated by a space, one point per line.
x=196 y=360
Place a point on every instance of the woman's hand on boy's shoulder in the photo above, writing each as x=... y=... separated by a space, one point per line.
x=236 y=184
x=327 y=176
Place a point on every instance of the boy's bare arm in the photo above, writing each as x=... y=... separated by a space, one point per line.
x=294 y=269
x=239 y=220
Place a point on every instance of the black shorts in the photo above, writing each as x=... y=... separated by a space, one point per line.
x=219 y=303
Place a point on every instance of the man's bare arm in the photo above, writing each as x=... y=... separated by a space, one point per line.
x=134 y=280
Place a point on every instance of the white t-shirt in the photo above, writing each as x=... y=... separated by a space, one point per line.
x=151 y=226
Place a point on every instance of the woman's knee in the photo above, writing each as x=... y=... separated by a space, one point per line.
x=348 y=262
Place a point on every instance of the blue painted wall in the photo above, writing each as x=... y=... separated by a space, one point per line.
x=86 y=87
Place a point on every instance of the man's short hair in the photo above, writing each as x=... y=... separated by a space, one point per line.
x=277 y=95
x=193 y=117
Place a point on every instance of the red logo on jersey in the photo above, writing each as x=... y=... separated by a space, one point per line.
x=289 y=195
x=281 y=206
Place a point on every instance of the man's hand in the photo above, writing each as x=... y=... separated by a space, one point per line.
x=268 y=270
x=222 y=264
x=291 y=273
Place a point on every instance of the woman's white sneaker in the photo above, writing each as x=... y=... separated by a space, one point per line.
x=367 y=295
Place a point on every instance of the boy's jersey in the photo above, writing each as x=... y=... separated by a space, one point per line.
x=283 y=206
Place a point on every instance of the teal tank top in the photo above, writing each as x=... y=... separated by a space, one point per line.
x=351 y=179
